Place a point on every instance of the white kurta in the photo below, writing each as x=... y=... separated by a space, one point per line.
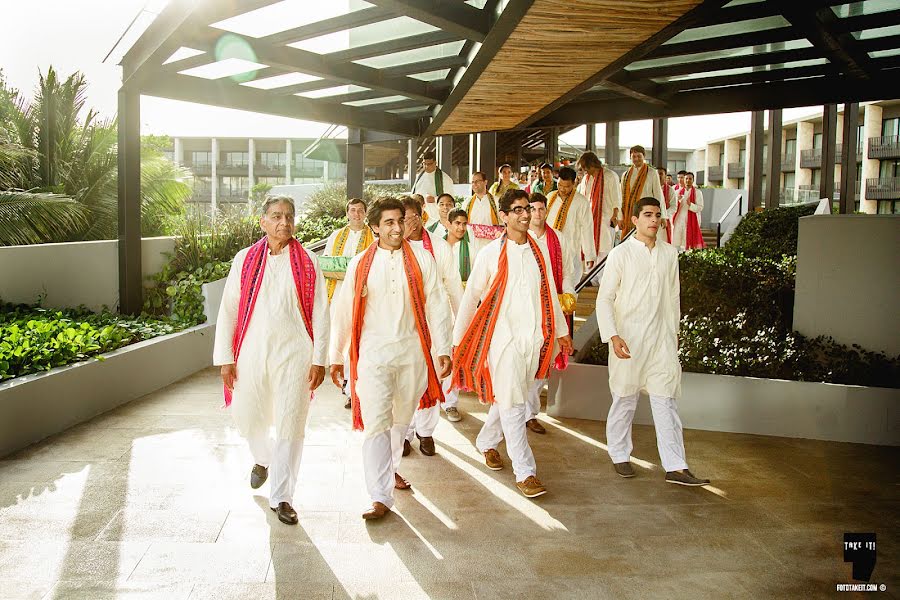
x=447 y=269
x=392 y=368
x=425 y=185
x=612 y=199
x=436 y=228
x=480 y=215
x=349 y=250
x=670 y=199
x=638 y=300
x=578 y=228
x=568 y=260
x=679 y=231
x=457 y=248
x=514 y=351
x=276 y=354
x=652 y=188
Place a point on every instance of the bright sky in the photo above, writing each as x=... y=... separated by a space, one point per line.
x=77 y=34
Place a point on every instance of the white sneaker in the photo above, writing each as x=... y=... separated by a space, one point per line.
x=453 y=415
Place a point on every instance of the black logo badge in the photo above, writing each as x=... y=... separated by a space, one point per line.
x=859 y=548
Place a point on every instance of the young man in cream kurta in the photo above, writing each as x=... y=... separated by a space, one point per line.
x=631 y=180
x=278 y=364
x=392 y=369
x=445 y=204
x=569 y=213
x=426 y=420
x=459 y=239
x=514 y=352
x=639 y=313
x=610 y=202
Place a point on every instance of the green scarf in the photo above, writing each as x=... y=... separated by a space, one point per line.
x=465 y=268
x=438 y=182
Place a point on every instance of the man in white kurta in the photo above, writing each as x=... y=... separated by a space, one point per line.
x=278 y=364
x=445 y=204
x=538 y=230
x=392 y=369
x=690 y=200
x=639 y=313
x=349 y=240
x=639 y=181
x=514 y=352
x=426 y=420
x=481 y=209
x=459 y=240
x=608 y=196
x=431 y=182
x=569 y=213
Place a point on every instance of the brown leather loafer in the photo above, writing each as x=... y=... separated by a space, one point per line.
x=378 y=511
x=535 y=426
x=286 y=513
x=426 y=445
x=531 y=487
x=258 y=476
x=400 y=483
x=407 y=448
x=492 y=460
x=624 y=469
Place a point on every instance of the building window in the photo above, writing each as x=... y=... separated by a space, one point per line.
x=202 y=187
x=888 y=169
x=306 y=167
x=271 y=180
x=673 y=166
x=816 y=179
x=722 y=159
x=817 y=140
x=237 y=159
x=890 y=127
x=201 y=159
x=742 y=156
x=273 y=160
x=235 y=186
x=790 y=147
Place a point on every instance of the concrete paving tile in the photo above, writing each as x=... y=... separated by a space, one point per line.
x=34 y=561
x=690 y=586
x=81 y=590
x=23 y=590
x=190 y=562
x=22 y=522
x=262 y=591
x=589 y=588
x=143 y=524
x=263 y=526
x=406 y=590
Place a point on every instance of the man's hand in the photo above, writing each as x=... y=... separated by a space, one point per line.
x=229 y=376
x=316 y=377
x=446 y=366
x=565 y=345
x=620 y=347
x=337 y=375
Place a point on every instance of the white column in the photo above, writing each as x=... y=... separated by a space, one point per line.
x=325 y=171
x=870 y=167
x=178 y=157
x=805 y=133
x=251 y=150
x=214 y=179
x=288 y=150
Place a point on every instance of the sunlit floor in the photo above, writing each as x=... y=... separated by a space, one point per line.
x=152 y=501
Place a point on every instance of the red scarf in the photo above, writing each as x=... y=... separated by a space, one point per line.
x=556 y=258
x=597 y=189
x=470 y=367
x=426 y=242
x=667 y=194
x=252 y=272
x=433 y=393
x=693 y=235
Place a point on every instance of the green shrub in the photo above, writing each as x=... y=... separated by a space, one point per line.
x=769 y=233
x=312 y=230
x=35 y=339
x=331 y=199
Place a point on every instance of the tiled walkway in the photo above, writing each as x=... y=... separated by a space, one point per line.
x=152 y=501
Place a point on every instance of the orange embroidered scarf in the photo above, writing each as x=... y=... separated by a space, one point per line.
x=470 y=367
x=631 y=193
x=495 y=218
x=365 y=240
x=597 y=190
x=433 y=394
x=560 y=221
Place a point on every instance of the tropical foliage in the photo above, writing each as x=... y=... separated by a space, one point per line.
x=68 y=167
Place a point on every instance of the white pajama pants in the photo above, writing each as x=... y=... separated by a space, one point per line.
x=509 y=423
x=451 y=396
x=381 y=459
x=669 y=435
x=424 y=422
x=533 y=406
x=282 y=457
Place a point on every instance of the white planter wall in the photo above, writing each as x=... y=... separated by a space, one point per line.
x=73 y=273
x=796 y=409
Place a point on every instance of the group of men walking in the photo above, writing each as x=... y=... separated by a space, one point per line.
x=437 y=299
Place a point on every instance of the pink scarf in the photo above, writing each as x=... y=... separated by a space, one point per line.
x=252 y=273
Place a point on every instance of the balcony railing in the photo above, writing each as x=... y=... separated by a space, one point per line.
x=788 y=162
x=736 y=170
x=839 y=153
x=883 y=188
x=884 y=147
x=811 y=159
x=715 y=173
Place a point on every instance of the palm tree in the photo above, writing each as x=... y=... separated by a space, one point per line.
x=46 y=149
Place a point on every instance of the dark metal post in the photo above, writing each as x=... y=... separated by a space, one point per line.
x=356 y=171
x=590 y=140
x=551 y=145
x=129 y=172
x=755 y=156
x=850 y=140
x=487 y=154
x=829 y=131
x=660 y=152
x=612 y=143
x=773 y=167
x=445 y=153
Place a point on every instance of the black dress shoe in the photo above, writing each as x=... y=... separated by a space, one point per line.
x=407 y=447
x=426 y=445
x=286 y=513
x=258 y=476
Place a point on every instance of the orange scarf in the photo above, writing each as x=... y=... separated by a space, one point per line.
x=597 y=191
x=470 y=367
x=560 y=221
x=631 y=194
x=495 y=218
x=433 y=394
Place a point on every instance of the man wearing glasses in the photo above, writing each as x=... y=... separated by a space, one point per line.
x=506 y=342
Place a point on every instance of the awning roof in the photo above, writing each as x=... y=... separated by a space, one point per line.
x=425 y=67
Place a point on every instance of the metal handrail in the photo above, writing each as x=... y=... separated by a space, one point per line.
x=737 y=202
x=595 y=270
x=317 y=246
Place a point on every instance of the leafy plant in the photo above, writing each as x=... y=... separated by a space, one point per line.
x=769 y=233
x=331 y=199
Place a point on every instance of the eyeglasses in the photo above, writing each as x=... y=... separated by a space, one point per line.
x=518 y=210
